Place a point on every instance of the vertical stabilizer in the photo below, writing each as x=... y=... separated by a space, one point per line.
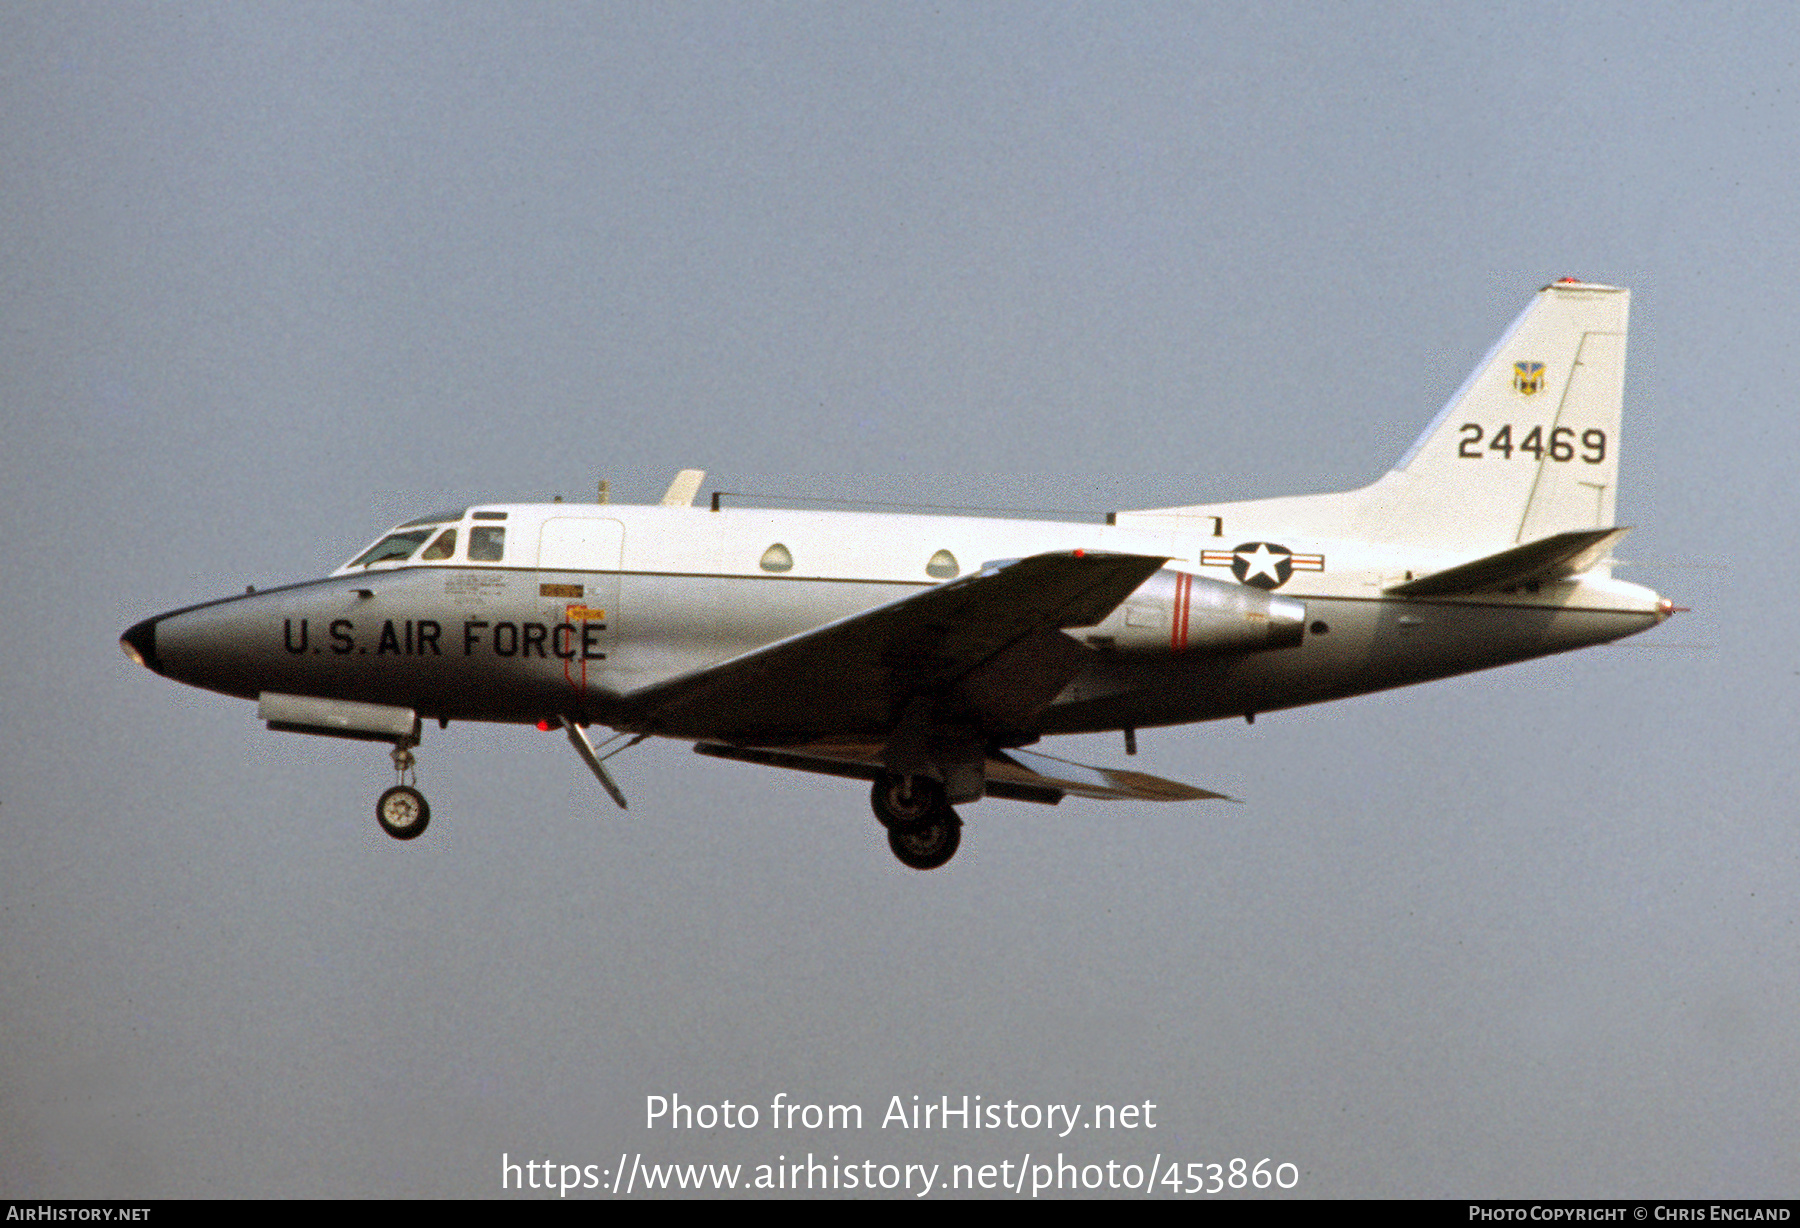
x=1527 y=448
x=1529 y=445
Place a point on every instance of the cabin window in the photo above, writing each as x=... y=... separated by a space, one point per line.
x=442 y=548
x=777 y=558
x=392 y=548
x=942 y=566
x=487 y=543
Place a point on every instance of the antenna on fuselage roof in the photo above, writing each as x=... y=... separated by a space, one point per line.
x=605 y=493
x=682 y=490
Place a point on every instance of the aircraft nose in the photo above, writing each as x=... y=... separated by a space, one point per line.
x=139 y=643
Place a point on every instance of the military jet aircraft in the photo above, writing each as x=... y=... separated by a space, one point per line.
x=924 y=653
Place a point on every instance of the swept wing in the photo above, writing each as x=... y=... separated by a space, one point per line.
x=1021 y=775
x=991 y=643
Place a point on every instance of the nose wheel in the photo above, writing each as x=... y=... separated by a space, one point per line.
x=403 y=811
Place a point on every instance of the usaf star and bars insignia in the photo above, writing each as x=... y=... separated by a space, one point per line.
x=1528 y=377
x=1262 y=564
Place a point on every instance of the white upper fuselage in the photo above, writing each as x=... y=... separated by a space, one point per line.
x=897 y=548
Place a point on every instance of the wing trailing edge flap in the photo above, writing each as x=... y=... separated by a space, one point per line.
x=1020 y=775
x=992 y=640
x=1540 y=562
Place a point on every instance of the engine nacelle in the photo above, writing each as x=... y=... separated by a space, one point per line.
x=1174 y=611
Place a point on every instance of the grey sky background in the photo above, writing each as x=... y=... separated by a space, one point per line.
x=275 y=277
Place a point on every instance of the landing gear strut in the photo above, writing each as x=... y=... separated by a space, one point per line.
x=923 y=831
x=403 y=811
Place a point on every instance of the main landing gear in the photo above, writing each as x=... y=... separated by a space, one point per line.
x=922 y=829
x=403 y=811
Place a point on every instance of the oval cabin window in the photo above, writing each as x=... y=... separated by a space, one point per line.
x=942 y=566
x=777 y=558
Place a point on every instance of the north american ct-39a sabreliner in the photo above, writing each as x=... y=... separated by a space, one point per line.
x=922 y=653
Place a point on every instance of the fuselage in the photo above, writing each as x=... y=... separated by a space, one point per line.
x=523 y=612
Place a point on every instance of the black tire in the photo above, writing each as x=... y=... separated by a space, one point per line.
x=403 y=813
x=901 y=800
x=927 y=843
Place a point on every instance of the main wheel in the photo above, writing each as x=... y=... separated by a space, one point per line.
x=899 y=800
x=927 y=843
x=403 y=812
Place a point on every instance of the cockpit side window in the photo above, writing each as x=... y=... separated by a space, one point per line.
x=487 y=543
x=442 y=548
x=393 y=547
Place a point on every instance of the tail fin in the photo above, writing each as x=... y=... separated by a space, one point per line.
x=1529 y=445
x=1527 y=449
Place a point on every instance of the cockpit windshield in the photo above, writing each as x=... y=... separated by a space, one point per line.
x=393 y=547
x=486 y=543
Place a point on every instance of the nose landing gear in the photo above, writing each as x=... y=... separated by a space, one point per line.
x=403 y=811
x=923 y=831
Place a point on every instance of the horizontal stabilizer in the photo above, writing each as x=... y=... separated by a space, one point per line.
x=1540 y=562
x=1020 y=775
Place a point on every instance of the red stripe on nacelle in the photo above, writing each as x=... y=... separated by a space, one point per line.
x=1179 y=616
